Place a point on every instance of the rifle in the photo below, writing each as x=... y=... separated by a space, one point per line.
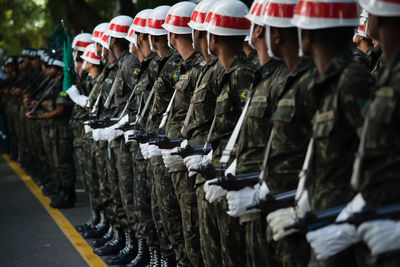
x=313 y=221
x=274 y=202
x=237 y=182
x=127 y=126
x=102 y=123
x=209 y=171
x=163 y=142
x=142 y=136
x=45 y=95
x=367 y=214
x=192 y=150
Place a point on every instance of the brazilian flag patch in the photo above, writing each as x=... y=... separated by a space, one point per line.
x=136 y=71
x=64 y=94
x=244 y=94
x=177 y=74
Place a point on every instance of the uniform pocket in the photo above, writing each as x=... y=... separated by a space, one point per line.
x=199 y=96
x=284 y=111
x=223 y=104
x=324 y=124
x=257 y=107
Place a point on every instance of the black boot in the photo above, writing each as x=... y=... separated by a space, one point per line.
x=66 y=200
x=113 y=246
x=99 y=242
x=168 y=261
x=142 y=258
x=100 y=229
x=127 y=253
x=89 y=225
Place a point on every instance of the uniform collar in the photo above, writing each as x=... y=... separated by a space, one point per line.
x=265 y=70
x=195 y=58
x=237 y=60
x=336 y=67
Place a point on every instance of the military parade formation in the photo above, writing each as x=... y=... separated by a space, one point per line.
x=212 y=134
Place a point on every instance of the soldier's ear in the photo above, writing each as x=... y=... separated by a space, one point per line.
x=259 y=31
x=275 y=36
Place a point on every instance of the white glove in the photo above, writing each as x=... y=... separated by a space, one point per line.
x=99 y=135
x=355 y=205
x=192 y=162
x=213 y=192
x=81 y=100
x=127 y=134
x=153 y=151
x=332 y=239
x=238 y=201
x=231 y=169
x=207 y=159
x=114 y=134
x=380 y=235
x=144 y=149
x=171 y=160
x=281 y=218
x=184 y=144
x=88 y=129
x=73 y=92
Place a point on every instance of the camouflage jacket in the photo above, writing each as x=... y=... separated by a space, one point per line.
x=292 y=128
x=380 y=184
x=361 y=58
x=341 y=92
x=202 y=104
x=254 y=132
x=189 y=71
x=163 y=89
x=235 y=84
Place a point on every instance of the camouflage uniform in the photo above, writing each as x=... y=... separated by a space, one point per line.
x=341 y=92
x=252 y=140
x=183 y=185
x=361 y=58
x=144 y=227
x=165 y=209
x=380 y=166
x=225 y=236
x=292 y=125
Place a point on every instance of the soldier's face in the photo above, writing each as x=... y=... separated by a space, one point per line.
x=98 y=49
x=198 y=40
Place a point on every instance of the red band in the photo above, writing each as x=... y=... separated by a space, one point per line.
x=119 y=28
x=92 y=56
x=279 y=10
x=257 y=10
x=140 y=22
x=344 y=10
x=104 y=38
x=82 y=44
x=96 y=34
x=131 y=33
x=391 y=1
x=199 y=17
x=177 y=21
x=228 y=22
x=155 y=23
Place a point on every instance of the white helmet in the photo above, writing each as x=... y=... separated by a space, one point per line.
x=255 y=13
x=227 y=18
x=199 y=15
x=104 y=40
x=383 y=8
x=131 y=34
x=98 y=32
x=362 y=28
x=156 y=19
x=140 y=21
x=178 y=18
x=119 y=26
x=81 y=41
x=90 y=55
x=322 y=14
x=279 y=13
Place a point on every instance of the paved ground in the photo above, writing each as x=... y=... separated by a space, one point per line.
x=28 y=235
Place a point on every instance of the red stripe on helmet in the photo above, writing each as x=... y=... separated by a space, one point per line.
x=82 y=44
x=140 y=22
x=92 y=55
x=131 y=33
x=344 y=10
x=391 y=1
x=155 y=23
x=199 y=17
x=177 y=21
x=235 y=23
x=96 y=34
x=119 y=28
x=104 y=38
x=256 y=11
x=279 y=10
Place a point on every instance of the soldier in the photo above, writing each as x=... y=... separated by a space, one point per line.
x=342 y=89
x=377 y=180
x=180 y=37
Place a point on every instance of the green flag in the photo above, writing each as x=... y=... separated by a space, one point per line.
x=69 y=68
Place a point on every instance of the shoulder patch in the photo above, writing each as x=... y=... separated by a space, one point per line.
x=244 y=93
x=136 y=71
x=177 y=74
x=63 y=94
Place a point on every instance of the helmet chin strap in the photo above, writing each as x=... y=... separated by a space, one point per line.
x=268 y=40
x=193 y=39
x=251 y=35
x=169 y=40
x=102 y=51
x=130 y=47
x=135 y=40
x=208 y=44
x=301 y=53
x=84 y=64
x=151 y=44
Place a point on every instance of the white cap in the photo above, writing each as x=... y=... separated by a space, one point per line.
x=279 y=13
x=140 y=21
x=90 y=55
x=81 y=41
x=178 y=18
x=156 y=19
x=255 y=13
x=199 y=15
x=383 y=8
x=119 y=26
x=98 y=32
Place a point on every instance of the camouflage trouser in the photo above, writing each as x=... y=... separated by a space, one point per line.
x=165 y=209
x=46 y=133
x=79 y=162
x=186 y=195
x=123 y=163
x=293 y=251
x=144 y=226
x=92 y=180
x=61 y=142
x=104 y=199
x=222 y=237
x=116 y=210
x=258 y=251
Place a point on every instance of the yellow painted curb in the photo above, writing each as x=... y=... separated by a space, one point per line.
x=69 y=231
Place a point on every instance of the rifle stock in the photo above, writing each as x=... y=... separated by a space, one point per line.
x=192 y=150
x=274 y=202
x=234 y=183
